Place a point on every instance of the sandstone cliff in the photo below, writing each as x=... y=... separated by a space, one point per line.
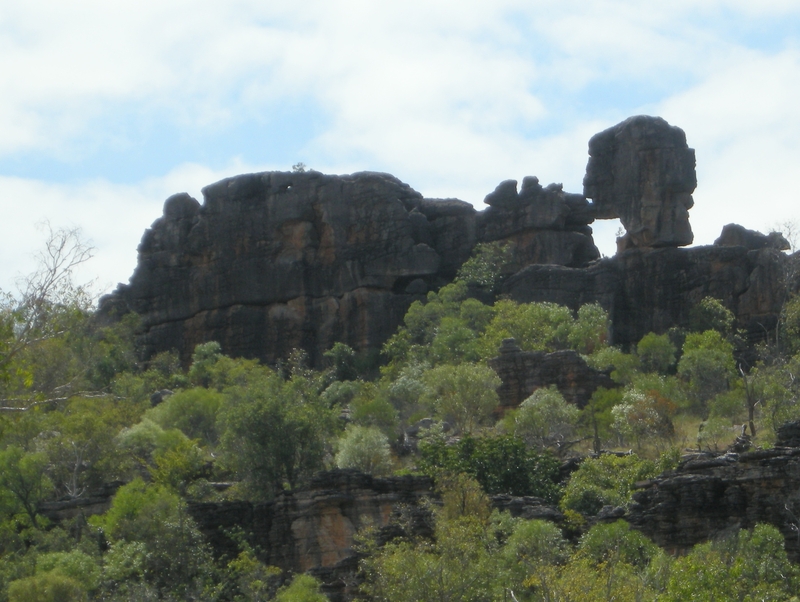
x=274 y=261
x=709 y=496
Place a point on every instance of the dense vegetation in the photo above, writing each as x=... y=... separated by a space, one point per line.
x=79 y=412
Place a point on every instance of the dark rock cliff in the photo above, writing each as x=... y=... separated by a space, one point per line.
x=275 y=261
x=648 y=290
x=709 y=496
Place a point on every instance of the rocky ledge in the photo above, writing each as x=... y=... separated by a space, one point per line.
x=709 y=496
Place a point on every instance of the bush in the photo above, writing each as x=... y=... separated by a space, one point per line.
x=502 y=464
x=365 y=449
x=48 y=587
x=607 y=480
x=193 y=411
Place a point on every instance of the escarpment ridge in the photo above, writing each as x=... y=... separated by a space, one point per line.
x=275 y=261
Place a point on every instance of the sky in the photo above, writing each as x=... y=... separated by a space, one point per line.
x=108 y=108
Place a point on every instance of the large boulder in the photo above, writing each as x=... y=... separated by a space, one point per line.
x=642 y=172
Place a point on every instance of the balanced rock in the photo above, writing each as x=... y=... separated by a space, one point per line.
x=642 y=172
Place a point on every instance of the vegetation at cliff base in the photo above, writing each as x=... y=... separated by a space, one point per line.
x=83 y=416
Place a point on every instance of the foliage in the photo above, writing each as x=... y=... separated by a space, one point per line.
x=47 y=587
x=711 y=314
x=707 y=364
x=370 y=407
x=607 y=480
x=485 y=267
x=192 y=411
x=616 y=542
x=544 y=420
x=173 y=555
x=365 y=449
x=274 y=433
x=501 y=464
x=464 y=394
x=643 y=415
x=749 y=565
x=303 y=588
x=23 y=479
x=656 y=353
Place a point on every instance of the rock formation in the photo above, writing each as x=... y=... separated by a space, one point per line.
x=522 y=372
x=642 y=172
x=751 y=283
x=708 y=496
x=275 y=261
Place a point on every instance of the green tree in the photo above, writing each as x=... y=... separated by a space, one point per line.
x=711 y=314
x=485 y=267
x=644 y=415
x=23 y=476
x=193 y=411
x=749 y=565
x=365 y=449
x=707 y=364
x=501 y=464
x=274 y=433
x=656 y=353
x=544 y=420
x=303 y=588
x=589 y=332
x=535 y=327
x=607 y=480
x=465 y=394
x=175 y=558
x=48 y=302
x=48 y=587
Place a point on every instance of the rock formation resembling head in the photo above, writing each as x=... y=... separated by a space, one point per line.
x=642 y=172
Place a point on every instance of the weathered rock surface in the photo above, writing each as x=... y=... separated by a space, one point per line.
x=522 y=372
x=734 y=235
x=708 y=497
x=643 y=172
x=312 y=529
x=648 y=290
x=276 y=261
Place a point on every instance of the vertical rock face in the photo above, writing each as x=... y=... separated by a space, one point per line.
x=750 y=283
x=642 y=172
x=313 y=529
x=275 y=261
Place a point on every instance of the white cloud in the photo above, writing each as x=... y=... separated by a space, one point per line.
x=452 y=97
x=745 y=127
x=111 y=217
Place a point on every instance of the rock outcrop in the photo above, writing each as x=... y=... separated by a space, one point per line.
x=643 y=172
x=522 y=372
x=648 y=290
x=312 y=529
x=707 y=497
x=275 y=261
x=734 y=235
